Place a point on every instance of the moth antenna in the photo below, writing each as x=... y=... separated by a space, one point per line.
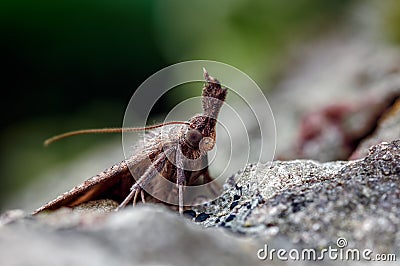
x=108 y=130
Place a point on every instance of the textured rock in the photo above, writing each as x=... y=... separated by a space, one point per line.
x=146 y=235
x=387 y=130
x=313 y=204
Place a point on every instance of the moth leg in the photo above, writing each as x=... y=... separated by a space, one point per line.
x=180 y=180
x=135 y=197
x=150 y=172
x=142 y=196
x=141 y=191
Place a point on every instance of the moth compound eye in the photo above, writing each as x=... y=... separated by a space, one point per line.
x=193 y=137
x=206 y=144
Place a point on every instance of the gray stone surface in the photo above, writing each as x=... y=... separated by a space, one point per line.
x=146 y=235
x=388 y=129
x=313 y=204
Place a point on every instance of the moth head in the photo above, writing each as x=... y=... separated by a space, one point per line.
x=193 y=137
x=196 y=139
x=201 y=132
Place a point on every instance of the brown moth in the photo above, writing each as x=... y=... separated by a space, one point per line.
x=180 y=156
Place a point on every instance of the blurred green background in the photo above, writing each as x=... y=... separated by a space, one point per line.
x=75 y=64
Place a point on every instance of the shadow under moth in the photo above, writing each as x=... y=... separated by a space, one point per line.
x=174 y=151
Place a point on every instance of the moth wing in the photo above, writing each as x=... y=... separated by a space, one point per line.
x=116 y=181
x=113 y=183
